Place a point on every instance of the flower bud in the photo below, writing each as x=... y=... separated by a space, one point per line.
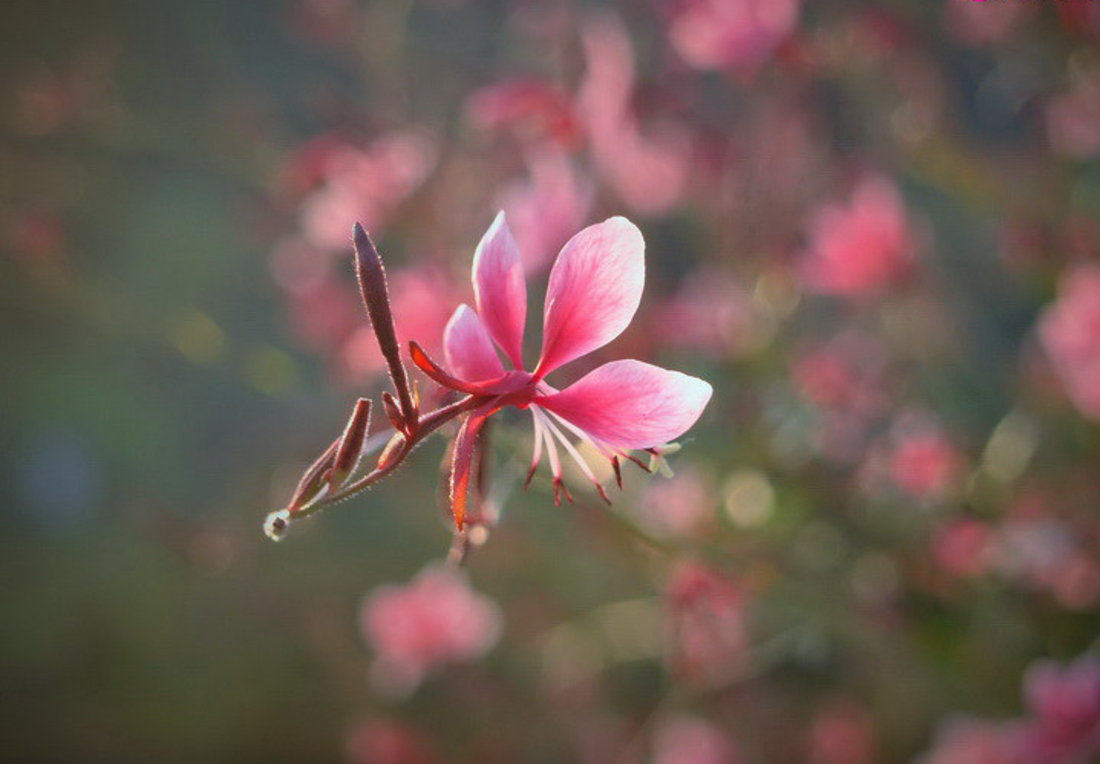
x=351 y=444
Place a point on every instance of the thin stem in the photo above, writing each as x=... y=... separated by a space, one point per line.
x=427 y=425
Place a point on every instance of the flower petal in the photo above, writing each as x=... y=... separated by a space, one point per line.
x=499 y=290
x=467 y=348
x=631 y=404
x=595 y=287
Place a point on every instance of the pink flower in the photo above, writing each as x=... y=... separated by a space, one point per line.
x=963 y=548
x=864 y=248
x=968 y=741
x=1070 y=334
x=361 y=183
x=706 y=619
x=1073 y=118
x=676 y=507
x=686 y=740
x=978 y=23
x=595 y=288
x=1065 y=706
x=433 y=620
x=388 y=742
x=842 y=733
x=738 y=35
x=648 y=171
x=546 y=208
x=532 y=108
x=925 y=464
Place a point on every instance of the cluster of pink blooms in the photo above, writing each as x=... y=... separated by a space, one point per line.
x=1062 y=724
x=688 y=740
x=1070 y=332
x=1031 y=548
x=433 y=620
x=707 y=628
x=864 y=248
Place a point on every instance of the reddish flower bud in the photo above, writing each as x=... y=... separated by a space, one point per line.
x=372 y=285
x=351 y=444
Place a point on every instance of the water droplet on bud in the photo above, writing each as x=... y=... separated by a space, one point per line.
x=276 y=525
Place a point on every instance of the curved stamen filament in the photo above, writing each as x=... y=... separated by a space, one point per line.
x=571 y=449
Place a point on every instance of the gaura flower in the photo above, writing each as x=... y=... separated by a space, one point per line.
x=594 y=290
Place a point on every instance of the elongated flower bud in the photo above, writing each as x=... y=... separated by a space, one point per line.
x=394 y=412
x=392 y=451
x=314 y=480
x=351 y=444
x=372 y=285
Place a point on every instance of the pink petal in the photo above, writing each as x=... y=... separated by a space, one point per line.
x=595 y=287
x=467 y=348
x=631 y=404
x=499 y=290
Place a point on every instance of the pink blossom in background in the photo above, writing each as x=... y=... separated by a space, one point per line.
x=841 y=733
x=1080 y=18
x=358 y=183
x=846 y=374
x=324 y=314
x=707 y=635
x=963 y=548
x=689 y=740
x=981 y=23
x=845 y=380
x=420 y=297
x=709 y=313
x=970 y=741
x=738 y=35
x=1064 y=703
x=546 y=207
x=1070 y=334
x=533 y=109
x=433 y=620
x=1073 y=118
x=648 y=172
x=677 y=506
x=863 y=248
x=388 y=742
x=35 y=237
x=925 y=464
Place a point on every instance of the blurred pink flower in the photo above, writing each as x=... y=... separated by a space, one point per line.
x=841 y=733
x=547 y=207
x=864 y=248
x=1064 y=702
x=1070 y=334
x=532 y=108
x=709 y=313
x=925 y=464
x=980 y=23
x=1073 y=118
x=970 y=741
x=594 y=290
x=649 y=172
x=359 y=183
x=677 y=506
x=688 y=740
x=706 y=625
x=388 y=742
x=433 y=620
x=846 y=374
x=962 y=548
x=738 y=35
x=1080 y=18
x=419 y=299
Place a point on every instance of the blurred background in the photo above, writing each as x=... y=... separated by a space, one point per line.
x=873 y=227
